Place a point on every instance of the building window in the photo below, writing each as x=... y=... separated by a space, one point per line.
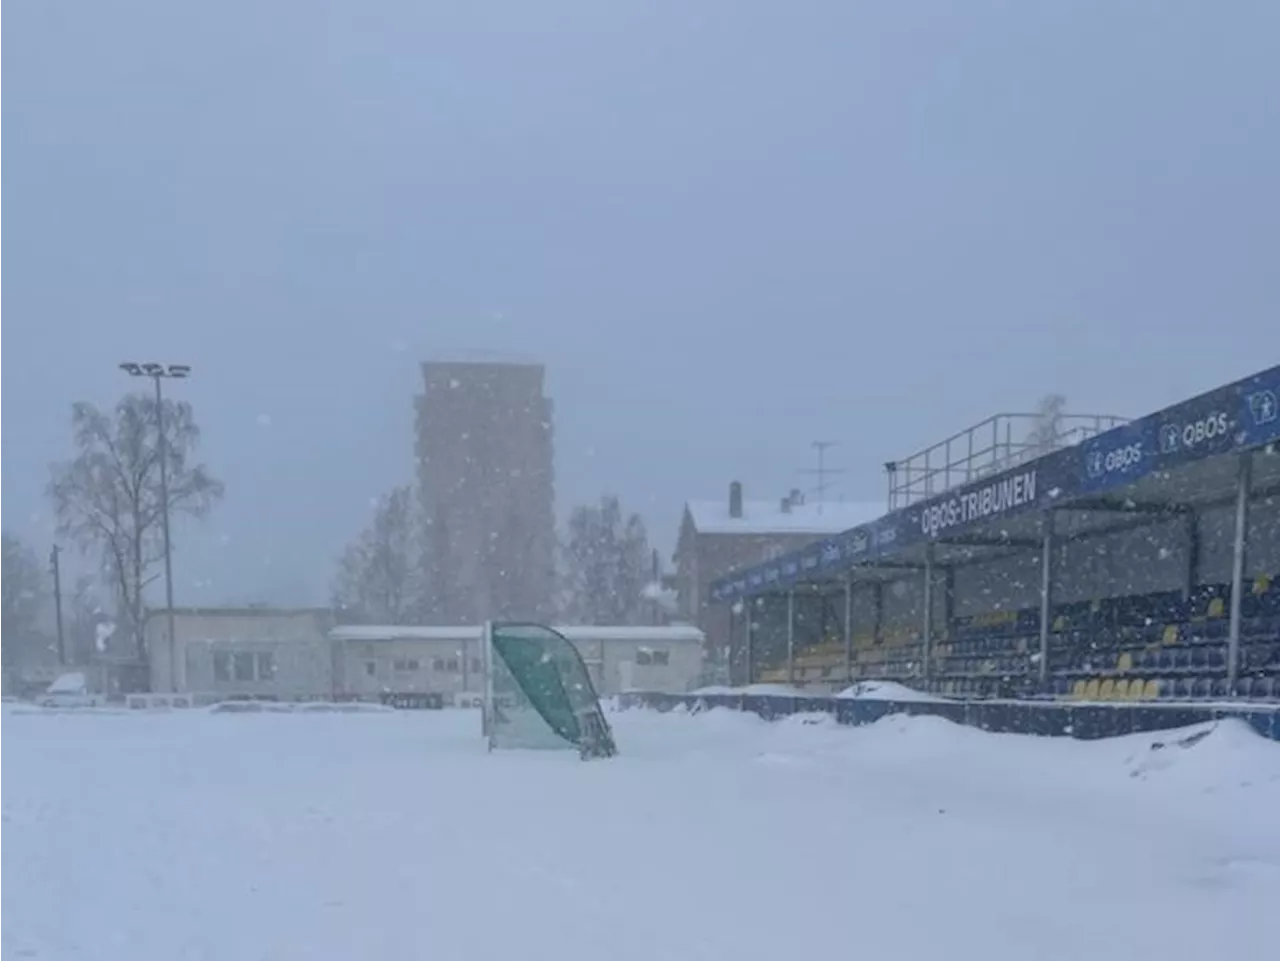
x=476 y=666
x=406 y=665
x=452 y=666
x=648 y=656
x=266 y=666
x=242 y=665
x=661 y=658
x=221 y=666
x=437 y=664
x=371 y=668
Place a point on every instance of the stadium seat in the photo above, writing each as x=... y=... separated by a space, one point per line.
x=1091 y=689
x=1106 y=689
x=1122 y=689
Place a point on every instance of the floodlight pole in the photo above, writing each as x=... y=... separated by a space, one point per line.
x=158 y=372
x=1244 y=479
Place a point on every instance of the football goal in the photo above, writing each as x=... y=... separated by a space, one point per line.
x=538 y=693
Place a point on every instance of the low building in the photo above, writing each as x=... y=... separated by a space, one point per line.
x=249 y=652
x=373 y=660
x=717 y=537
x=292 y=654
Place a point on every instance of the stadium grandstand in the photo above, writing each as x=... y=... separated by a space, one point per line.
x=1101 y=560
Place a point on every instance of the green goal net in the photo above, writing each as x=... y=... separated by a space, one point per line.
x=539 y=693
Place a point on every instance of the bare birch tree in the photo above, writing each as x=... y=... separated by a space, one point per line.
x=107 y=498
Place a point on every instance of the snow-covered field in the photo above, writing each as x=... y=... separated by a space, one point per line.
x=168 y=837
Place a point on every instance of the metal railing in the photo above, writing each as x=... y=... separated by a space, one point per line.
x=997 y=444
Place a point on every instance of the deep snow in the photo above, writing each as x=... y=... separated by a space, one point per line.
x=714 y=836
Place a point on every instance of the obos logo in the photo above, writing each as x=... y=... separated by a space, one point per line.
x=1099 y=463
x=1192 y=435
x=857 y=545
x=1263 y=407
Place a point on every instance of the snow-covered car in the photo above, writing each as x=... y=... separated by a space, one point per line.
x=69 y=690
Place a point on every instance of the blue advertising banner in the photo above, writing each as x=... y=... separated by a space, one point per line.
x=1237 y=417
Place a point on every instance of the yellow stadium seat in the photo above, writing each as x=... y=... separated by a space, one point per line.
x=1124 y=662
x=1077 y=690
x=1217 y=607
x=1107 y=689
x=1091 y=689
x=1152 y=690
x=1122 y=689
x=1170 y=634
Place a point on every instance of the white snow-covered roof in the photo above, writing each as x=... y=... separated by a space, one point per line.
x=673 y=634
x=768 y=517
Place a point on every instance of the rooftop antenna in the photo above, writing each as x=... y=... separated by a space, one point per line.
x=822 y=471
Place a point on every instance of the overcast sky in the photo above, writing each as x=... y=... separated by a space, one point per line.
x=727 y=228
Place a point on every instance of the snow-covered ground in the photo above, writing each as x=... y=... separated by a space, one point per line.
x=310 y=836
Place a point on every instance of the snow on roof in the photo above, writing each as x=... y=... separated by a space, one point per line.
x=768 y=517
x=674 y=634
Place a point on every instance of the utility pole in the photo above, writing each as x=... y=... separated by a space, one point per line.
x=158 y=372
x=822 y=471
x=57 y=601
x=657 y=588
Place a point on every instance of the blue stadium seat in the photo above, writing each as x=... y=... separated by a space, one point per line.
x=1221 y=688
x=1217 y=657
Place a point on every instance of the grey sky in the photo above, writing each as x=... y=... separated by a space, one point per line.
x=727 y=228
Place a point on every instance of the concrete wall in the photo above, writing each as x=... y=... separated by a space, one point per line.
x=295 y=644
x=407 y=665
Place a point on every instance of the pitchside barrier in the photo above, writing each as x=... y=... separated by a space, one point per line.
x=1046 y=719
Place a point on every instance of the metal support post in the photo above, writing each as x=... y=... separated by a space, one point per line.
x=56 y=567
x=1244 y=478
x=1046 y=593
x=928 y=611
x=791 y=637
x=877 y=624
x=848 y=629
x=747 y=604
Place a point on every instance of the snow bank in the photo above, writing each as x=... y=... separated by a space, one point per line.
x=889 y=691
x=305 y=707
